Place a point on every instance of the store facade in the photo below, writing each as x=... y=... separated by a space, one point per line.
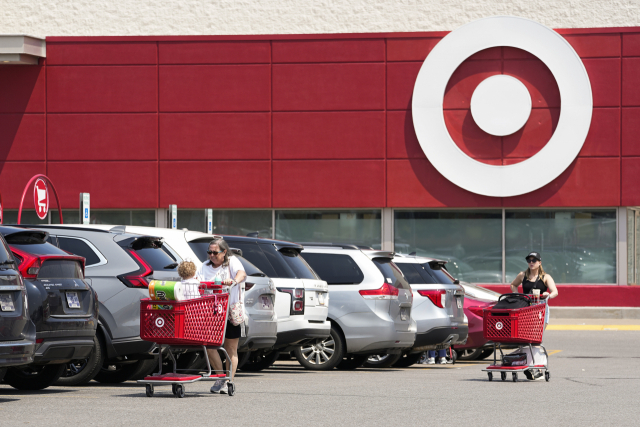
x=313 y=138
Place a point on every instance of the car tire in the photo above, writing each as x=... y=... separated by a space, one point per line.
x=352 y=361
x=243 y=357
x=407 y=359
x=114 y=373
x=259 y=360
x=381 y=360
x=146 y=368
x=469 y=353
x=3 y=371
x=81 y=371
x=33 y=377
x=485 y=353
x=322 y=354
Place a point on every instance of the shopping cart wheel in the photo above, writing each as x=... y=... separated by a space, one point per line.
x=149 y=390
x=503 y=376
x=547 y=375
x=490 y=375
x=174 y=389
x=179 y=390
x=231 y=387
x=514 y=377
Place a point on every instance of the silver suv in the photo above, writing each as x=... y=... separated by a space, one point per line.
x=437 y=306
x=370 y=311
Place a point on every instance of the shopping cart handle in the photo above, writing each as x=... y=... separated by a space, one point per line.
x=527 y=296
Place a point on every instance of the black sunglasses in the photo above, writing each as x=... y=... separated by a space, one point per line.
x=214 y=252
x=530 y=260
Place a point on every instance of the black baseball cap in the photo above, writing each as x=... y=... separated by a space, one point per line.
x=536 y=255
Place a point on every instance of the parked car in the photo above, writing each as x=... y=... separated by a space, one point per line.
x=476 y=299
x=438 y=306
x=119 y=267
x=261 y=325
x=17 y=331
x=370 y=310
x=302 y=299
x=62 y=305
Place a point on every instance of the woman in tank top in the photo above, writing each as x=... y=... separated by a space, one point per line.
x=534 y=277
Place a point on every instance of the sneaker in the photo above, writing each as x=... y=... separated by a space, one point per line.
x=224 y=389
x=423 y=359
x=538 y=375
x=443 y=360
x=431 y=361
x=217 y=386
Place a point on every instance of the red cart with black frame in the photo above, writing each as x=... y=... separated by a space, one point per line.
x=523 y=326
x=197 y=323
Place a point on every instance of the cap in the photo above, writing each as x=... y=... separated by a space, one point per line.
x=536 y=255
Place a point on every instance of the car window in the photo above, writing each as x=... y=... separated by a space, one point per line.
x=253 y=254
x=60 y=269
x=282 y=269
x=297 y=264
x=249 y=268
x=412 y=274
x=434 y=270
x=80 y=248
x=391 y=273
x=4 y=251
x=335 y=269
x=158 y=259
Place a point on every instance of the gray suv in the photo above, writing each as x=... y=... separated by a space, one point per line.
x=370 y=310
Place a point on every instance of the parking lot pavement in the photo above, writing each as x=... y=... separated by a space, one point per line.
x=595 y=380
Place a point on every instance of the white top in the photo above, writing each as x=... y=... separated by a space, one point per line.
x=207 y=273
x=190 y=288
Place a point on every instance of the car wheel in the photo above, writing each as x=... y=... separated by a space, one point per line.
x=243 y=357
x=351 y=362
x=259 y=360
x=33 y=377
x=321 y=354
x=469 y=353
x=485 y=353
x=146 y=368
x=381 y=360
x=81 y=371
x=407 y=360
x=3 y=371
x=113 y=373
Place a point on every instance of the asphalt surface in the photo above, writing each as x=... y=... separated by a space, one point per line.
x=595 y=380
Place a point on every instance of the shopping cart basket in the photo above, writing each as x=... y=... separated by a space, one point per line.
x=516 y=326
x=196 y=323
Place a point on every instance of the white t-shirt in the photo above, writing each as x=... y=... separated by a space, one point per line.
x=207 y=273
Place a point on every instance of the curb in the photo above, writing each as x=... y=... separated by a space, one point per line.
x=594 y=312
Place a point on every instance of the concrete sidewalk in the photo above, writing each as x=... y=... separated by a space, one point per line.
x=613 y=313
x=594 y=325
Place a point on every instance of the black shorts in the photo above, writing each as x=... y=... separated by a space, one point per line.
x=233 y=331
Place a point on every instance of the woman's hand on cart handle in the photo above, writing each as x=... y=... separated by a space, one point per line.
x=228 y=282
x=544 y=295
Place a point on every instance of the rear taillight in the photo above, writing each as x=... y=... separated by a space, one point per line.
x=29 y=264
x=248 y=286
x=437 y=297
x=385 y=292
x=297 y=299
x=478 y=311
x=138 y=278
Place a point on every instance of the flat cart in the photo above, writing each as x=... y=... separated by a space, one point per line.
x=523 y=326
x=198 y=323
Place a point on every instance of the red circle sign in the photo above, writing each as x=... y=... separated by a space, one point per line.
x=41 y=198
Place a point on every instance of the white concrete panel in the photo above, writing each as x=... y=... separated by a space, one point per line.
x=203 y=17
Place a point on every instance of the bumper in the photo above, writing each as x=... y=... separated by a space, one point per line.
x=369 y=333
x=260 y=334
x=440 y=338
x=15 y=353
x=63 y=350
x=299 y=336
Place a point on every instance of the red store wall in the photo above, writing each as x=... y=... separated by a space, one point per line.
x=294 y=121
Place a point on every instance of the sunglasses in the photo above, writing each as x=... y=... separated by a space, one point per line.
x=214 y=252
x=532 y=260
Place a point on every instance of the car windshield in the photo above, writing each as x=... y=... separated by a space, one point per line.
x=413 y=274
x=297 y=264
x=335 y=269
x=158 y=258
x=437 y=271
x=249 y=268
x=392 y=274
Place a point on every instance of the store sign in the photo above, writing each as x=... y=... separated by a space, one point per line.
x=41 y=198
x=500 y=105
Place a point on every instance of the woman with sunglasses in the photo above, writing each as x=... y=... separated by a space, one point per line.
x=229 y=269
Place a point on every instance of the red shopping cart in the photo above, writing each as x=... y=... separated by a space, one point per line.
x=523 y=326
x=199 y=322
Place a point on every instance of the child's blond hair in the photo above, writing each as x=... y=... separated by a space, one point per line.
x=186 y=270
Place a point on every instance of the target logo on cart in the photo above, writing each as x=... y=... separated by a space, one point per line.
x=500 y=106
x=159 y=322
x=499 y=325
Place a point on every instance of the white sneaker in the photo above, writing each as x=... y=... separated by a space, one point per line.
x=217 y=386
x=443 y=360
x=431 y=361
x=423 y=359
x=538 y=375
x=224 y=389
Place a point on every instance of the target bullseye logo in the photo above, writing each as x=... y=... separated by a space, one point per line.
x=159 y=322
x=499 y=325
x=501 y=105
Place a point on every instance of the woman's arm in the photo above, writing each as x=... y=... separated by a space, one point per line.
x=551 y=286
x=240 y=275
x=516 y=282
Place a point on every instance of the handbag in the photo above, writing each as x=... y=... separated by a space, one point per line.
x=237 y=315
x=511 y=301
x=515 y=359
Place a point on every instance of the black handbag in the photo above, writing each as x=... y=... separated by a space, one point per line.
x=514 y=359
x=511 y=301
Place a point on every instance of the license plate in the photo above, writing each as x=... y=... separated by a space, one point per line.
x=266 y=302
x=404 y=314
x=459 y=301
x=72 y=300
x=320 y=298
x=6 y=303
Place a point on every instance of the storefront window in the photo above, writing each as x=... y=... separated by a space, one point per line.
x=576 y=246
x=234 y=222
x=470 y=240
x=29 y=216
x=145 y=218
x=354 y=227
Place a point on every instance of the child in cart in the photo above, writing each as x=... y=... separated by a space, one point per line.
x=187 y=272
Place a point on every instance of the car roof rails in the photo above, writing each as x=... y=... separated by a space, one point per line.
x=333 y=245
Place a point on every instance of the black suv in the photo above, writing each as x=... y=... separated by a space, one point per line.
x=61 y=304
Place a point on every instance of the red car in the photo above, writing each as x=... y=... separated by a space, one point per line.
x=476 y=299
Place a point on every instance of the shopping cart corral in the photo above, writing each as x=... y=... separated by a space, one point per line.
x=522 y=326
x=197 y=323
